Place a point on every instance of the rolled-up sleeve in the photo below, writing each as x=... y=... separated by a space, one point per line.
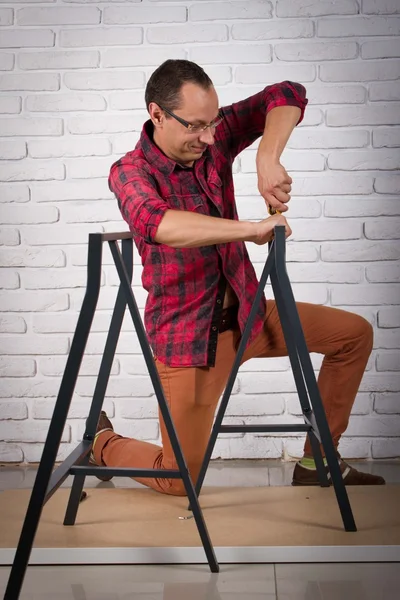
x=244 y=121
x=140 y=204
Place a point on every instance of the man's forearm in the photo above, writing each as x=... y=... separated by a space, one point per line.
x=279 y=125
x=184 y=229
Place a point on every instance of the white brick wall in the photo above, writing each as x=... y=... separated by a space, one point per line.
x=72 y=79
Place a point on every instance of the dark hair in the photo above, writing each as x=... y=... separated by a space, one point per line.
x=165 y=83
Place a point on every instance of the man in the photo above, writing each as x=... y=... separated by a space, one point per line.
x=175 y=191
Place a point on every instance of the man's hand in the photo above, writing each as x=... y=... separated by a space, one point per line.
x=264 y=230
x=274 y=183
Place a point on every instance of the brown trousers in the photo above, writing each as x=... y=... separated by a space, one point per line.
x=192 y=393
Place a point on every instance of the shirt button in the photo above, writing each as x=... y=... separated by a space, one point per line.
x=214 y=328
x=219 y=301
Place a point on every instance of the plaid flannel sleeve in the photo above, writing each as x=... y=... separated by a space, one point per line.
x=244 y=121
x=140 y=204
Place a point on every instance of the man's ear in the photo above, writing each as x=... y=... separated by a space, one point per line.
x=156 y=114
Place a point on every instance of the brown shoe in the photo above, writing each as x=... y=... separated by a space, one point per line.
x=303 y=476
x=104 y=424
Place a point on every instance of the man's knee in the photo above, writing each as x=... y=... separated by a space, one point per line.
x=365 y=331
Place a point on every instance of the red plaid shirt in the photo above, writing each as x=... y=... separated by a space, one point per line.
x=186 y=286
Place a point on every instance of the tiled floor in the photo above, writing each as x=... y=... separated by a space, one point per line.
x=358 y=581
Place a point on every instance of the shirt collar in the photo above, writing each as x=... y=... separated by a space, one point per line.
x=154 y=155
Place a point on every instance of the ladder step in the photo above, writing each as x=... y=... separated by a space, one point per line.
x=264 y=428
x=125 y=472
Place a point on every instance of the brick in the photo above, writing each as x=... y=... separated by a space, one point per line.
x=372 y=294
x=12 y=324
x=359 y=251
x=373 y=427
x=27 y=38
x=34 y=345
x=31 y=302
x=384 y=229
x=139 y=57
x=304 y=230
x=17 y=367
x=293 y=161
x=47 y=279
x=43 y=408
x=244 y=405
x=100 y=36
x=9 y=280
x=390 y=91
x=32 y=171
x=259 y=74
x=383 y=273
x=336 y=184
x=30 y=82
x=34 y=126
x=6 y=16
x=6 y=61
x=43 y=236
x=279 y=383
x=71 y=190
x=389 y=361
x=351 y=448
x=389 y=317
x=121 y=15
x=315 y=8
x=137 y=408
x=10 y=453
x=90 y=213
x=32 y=257
x=14 y=193
x=187 y=34
x=127 y=100
x=58 y=16
x=364 y=160
x=387 y=7
x=54 y=366
x=118 y=387
x=66 y=323
x=381 y=49
x=386 y=138
x=339 y=94
x=124 y=143
x=389 y=184
x=35 y=432
x=58 y=60
x=387 y=338
x=30 y=214
x=385 y=114
x=317 y=273
x=248 y=447
x=386 y=403
x=104 y=80
x=371 y=207
x=89 y=169
x=250 y=53
x=316 y=51
x=327 y=138
x=386 y=448
x=14 y=150
x=251 y=9
x=220 y=75
x=69 y=148
x=65 y=103
x=9 y=237
x=105 y=124
x=10 y=105
x=313 y=116
x=16 y=411
x=359 y=26
x=275 y=30
x=353 y=72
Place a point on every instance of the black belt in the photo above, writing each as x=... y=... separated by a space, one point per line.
x=229 y=318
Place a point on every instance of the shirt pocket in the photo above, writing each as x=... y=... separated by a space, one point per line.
x=189 y=202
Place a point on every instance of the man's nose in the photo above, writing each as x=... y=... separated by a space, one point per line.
x=207 y=136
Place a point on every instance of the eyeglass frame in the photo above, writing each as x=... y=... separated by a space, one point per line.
x=190 y=126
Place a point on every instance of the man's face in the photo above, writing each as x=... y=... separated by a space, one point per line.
x=198 y=107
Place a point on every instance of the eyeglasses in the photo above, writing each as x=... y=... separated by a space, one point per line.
x=194 y=128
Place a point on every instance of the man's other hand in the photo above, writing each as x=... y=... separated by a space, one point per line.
x=274 y=183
